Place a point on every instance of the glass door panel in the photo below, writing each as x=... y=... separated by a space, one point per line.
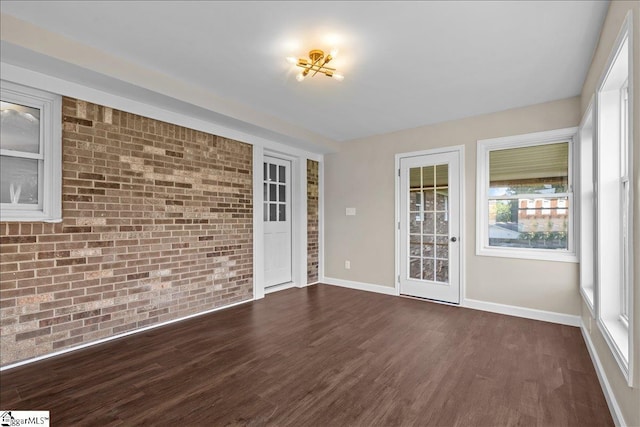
x=428 y=222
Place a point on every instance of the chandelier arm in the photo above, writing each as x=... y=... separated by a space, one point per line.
x=319 y=67
x=316 y=68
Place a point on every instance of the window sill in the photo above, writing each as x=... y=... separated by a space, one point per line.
x=587 y=295
x=533 y=254
x=617 y=337
x=27 y=216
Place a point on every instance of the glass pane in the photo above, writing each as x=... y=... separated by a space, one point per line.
x=265 y=177
x=283 y=212
x=281 y=174
x=442 y=271
x=529 y=223
x=427 y=176
x=539 y=169
x=273 y=212
x=19 y=128
x=442 y=199
x=415 y=221
x=428 y=200
x=414 y=268
x=428 y=223
x=428 y=247
x=415 y=201
x=282 y=190
x=272 y=172
x=18 y=180
x=266 y=195
x=442 y=223
x=442 y=247
x=414 y=245
x=427 y=269
x=414 y=178
x=265 y=212
x=442 y=175
x=273 y=188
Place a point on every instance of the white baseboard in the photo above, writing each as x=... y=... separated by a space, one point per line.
x=614 y=408
x=527 y=313
x=511 y=310
x=387 y=290
x=114 y=337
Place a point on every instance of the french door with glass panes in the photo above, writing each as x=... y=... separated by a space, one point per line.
x=277 y=221
x=430 y=226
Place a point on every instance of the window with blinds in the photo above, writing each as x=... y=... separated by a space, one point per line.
x=529 y=197
x=526 y=197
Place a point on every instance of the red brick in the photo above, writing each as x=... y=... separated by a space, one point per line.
x=158 y=240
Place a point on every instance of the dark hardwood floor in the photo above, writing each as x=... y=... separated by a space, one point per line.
x=323 y=356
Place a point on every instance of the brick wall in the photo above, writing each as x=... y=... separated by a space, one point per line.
x=157 y=225
x=312 y=221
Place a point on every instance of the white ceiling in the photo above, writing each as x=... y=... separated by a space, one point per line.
x=406 y=64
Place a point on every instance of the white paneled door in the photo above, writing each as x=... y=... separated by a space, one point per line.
x=277 y=221
x=430 y=226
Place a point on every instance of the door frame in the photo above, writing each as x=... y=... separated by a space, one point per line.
x=298 y=221
x=459 y=151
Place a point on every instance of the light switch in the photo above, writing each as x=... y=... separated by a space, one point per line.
x=351 y=211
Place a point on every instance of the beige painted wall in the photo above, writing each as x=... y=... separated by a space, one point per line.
x=361 y=175
x=628 y=398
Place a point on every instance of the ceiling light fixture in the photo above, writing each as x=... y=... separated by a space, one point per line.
x=317 y=63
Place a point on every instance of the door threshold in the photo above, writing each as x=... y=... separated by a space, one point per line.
x=454 y=304
x=280 y=287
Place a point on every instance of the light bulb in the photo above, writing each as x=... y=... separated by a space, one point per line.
x=292 y=60
x=300 y=77
x=333 y=53
x=338 y=77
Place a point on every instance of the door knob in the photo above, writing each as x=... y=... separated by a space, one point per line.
x=454 y=239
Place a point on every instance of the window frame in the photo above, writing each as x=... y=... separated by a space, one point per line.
x=484 y=148
x=615 y=327
x=586 y=187
x=49 y=208
x=627 y=205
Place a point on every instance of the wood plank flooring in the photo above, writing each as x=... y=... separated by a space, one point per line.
x=323 y=356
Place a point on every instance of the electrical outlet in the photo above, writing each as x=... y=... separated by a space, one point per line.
x=347 y=265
